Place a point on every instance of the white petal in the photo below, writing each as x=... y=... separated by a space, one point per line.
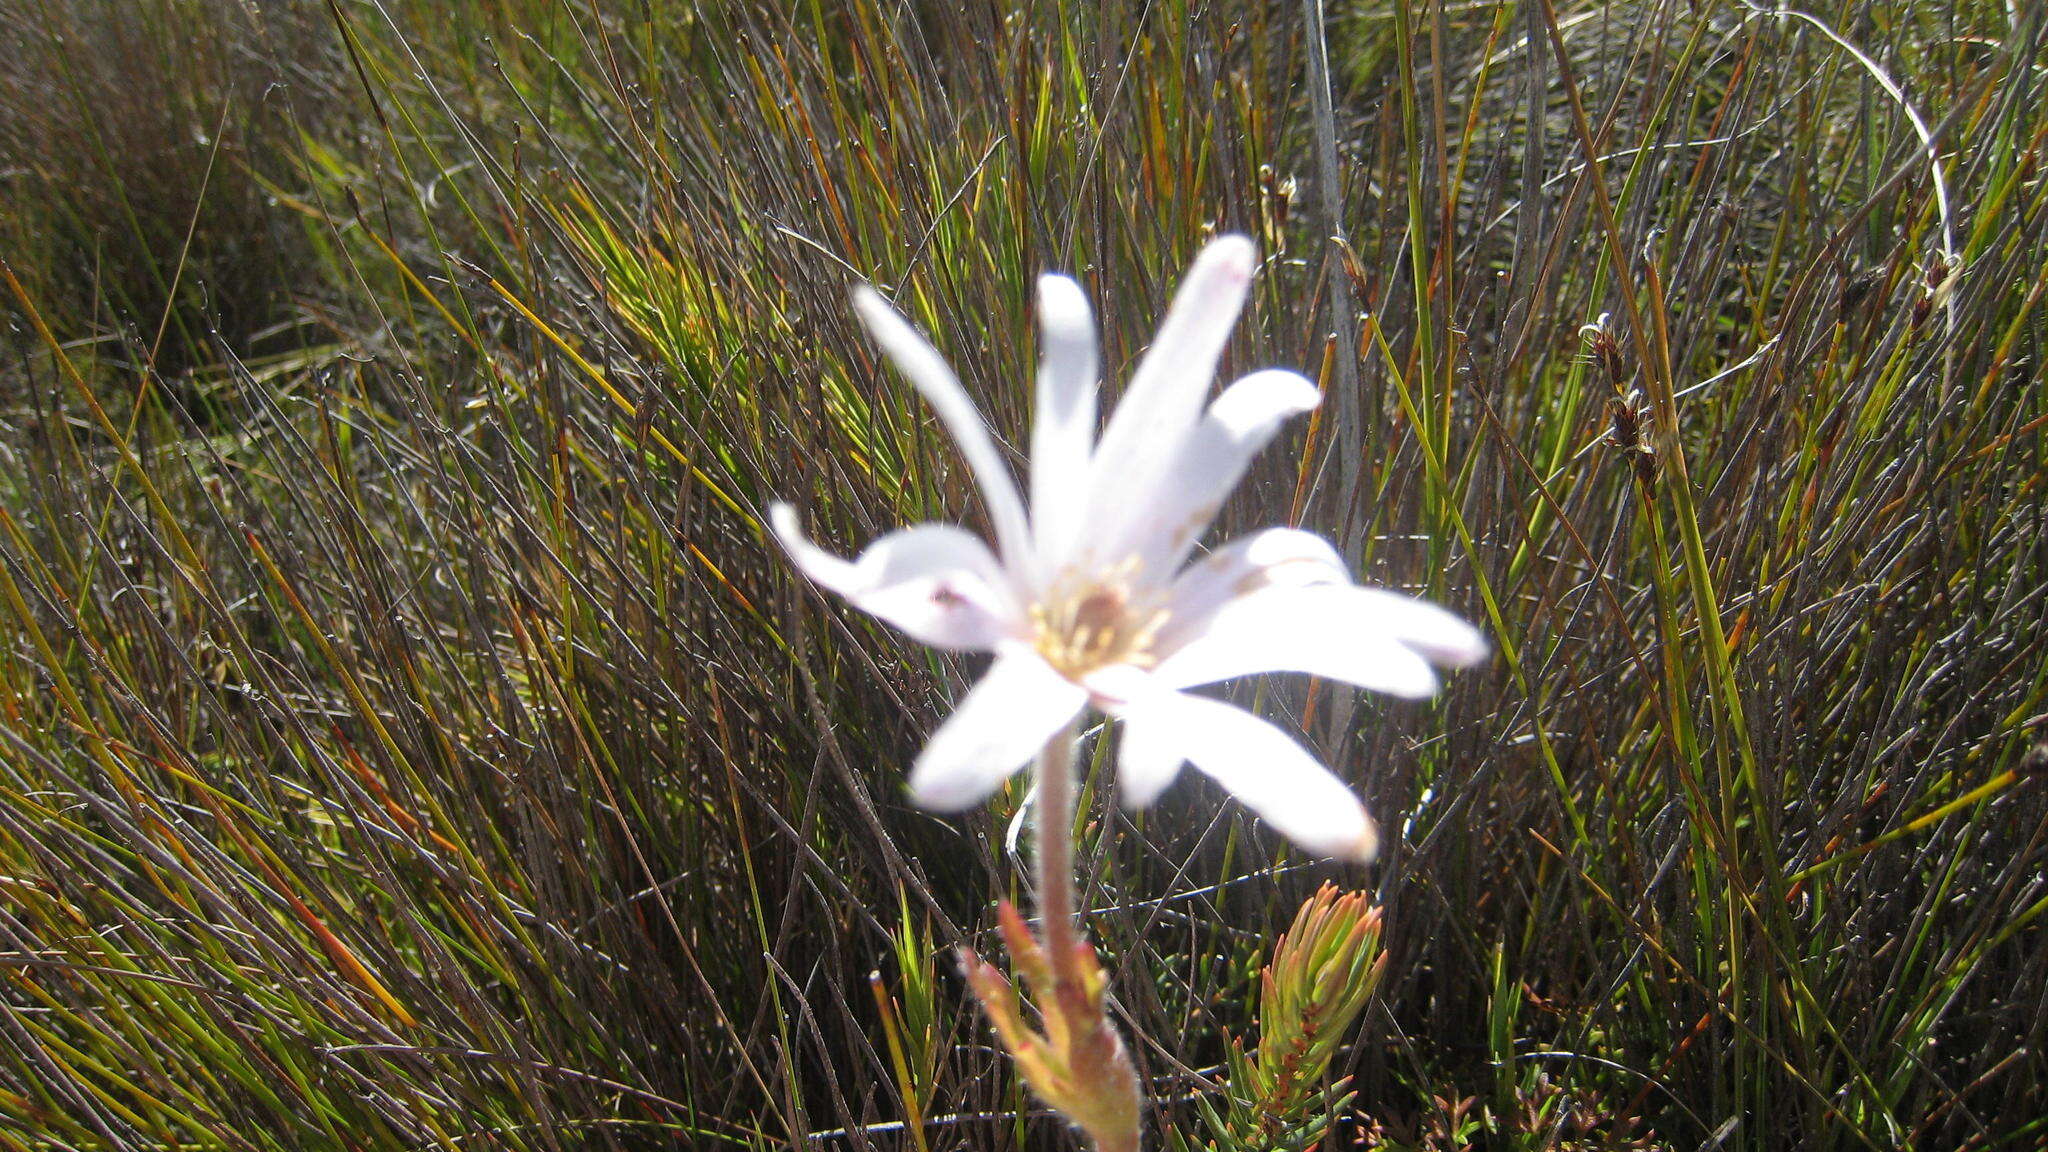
x=1149 y=755
x=1172 y=380
x=826 y=570
x=1211 y=461
x=1435 y=632
x=934 y=581
x=1159 y=409
x=1265 y=769
x=927 y=372
x=1287 y=557
x=1147 y=761
x=1019 y=705
x=1331 y=630
x=1063 y=424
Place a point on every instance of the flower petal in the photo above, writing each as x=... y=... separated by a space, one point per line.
x=1172 y=380
x=934 y=581
x=1000 y=725
x=1435 y=632
x=927 y=372
x=1263 y=767
x=1149 y=755
x=1236 y=428
x=1160 y=408
x=1335 y=631
x=1148 y=759
x=825 y=570
x=1063 y=424
x=1287 y=557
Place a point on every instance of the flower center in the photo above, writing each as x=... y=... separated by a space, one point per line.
x=1085 y=626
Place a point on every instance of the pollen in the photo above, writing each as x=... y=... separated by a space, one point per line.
x=1083 y=625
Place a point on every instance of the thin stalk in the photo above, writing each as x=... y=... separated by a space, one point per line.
x=1053 y=847
x=1079 y=1065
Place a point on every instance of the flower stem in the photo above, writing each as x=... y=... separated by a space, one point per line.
x=1053 y=844
x=1100 y=1091
x=1074 y=1060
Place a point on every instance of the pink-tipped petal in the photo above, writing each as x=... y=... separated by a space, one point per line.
x=1160 y=408
x=1063 y=426
x=1001 y=724
x=934 y=581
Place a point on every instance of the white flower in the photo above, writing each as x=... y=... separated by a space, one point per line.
x=1089 y=599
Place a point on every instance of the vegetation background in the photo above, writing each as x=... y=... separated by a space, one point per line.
x=408 y=738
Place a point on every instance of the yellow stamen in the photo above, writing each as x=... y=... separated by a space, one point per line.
x=1083 y=625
